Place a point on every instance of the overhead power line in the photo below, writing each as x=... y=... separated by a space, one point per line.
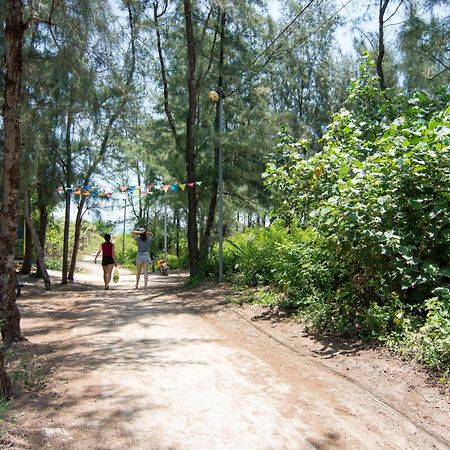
x=252 y=63
x=273 y=42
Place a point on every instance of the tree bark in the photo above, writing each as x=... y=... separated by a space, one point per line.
x=5 y=382
x=14 y=30
x=177 y=233
x=162 y=66
x=381 y=49
x=68 y=196
x=43 y=223
x=76 y=239
x=28 y=256
x=205 y=243
x=190 y=142
x=37 y=244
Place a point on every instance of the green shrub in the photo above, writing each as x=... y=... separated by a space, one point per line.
x=53 y=263
x=363 y=245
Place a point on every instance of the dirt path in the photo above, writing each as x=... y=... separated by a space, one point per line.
x=170 y=368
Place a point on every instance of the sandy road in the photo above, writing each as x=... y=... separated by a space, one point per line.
x=144 y=369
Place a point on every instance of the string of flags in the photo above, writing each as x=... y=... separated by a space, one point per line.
x=142 y=190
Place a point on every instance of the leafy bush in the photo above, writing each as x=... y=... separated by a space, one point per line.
x=53 y=263
x=252 y=254
x=366 y=248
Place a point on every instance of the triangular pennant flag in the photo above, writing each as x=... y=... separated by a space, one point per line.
x=198 y=183
x=191 y=184
x=77 y=192
x=182 y=186
x=166 y=187
x=149 y=186
x=174 y=187
x=123 y=188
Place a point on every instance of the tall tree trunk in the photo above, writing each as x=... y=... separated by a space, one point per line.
x=43 y=224
x=177 y=224
x=190 y=142
x=381 y=50
x=37 y=244
x=5 y=382
x=163 y=70
x=76 y=238
x=28 y=256
x=205 y=243
x=68 y=196
x=9 y=312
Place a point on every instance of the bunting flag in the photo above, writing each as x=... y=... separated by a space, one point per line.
x=142 y=190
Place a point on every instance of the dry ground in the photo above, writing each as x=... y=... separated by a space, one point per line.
x=176 y=368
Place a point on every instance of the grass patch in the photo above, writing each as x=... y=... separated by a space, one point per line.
x=30 y=372
x=4 y=404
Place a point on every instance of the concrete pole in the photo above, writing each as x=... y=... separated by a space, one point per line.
x=220 y=186
x=124 y=223
x=165 y=228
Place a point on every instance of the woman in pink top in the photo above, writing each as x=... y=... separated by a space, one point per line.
x=108 y=259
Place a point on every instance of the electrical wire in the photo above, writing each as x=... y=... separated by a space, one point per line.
x=273 y=42
x=252 y=63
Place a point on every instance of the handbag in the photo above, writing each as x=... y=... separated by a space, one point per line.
x=116 y=275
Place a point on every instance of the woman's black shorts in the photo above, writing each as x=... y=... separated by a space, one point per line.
x=107 y=260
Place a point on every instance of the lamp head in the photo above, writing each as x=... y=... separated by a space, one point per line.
x=214 y=96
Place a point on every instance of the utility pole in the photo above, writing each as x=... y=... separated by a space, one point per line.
x=124 y=222
x=165 y=228
x=218 y=96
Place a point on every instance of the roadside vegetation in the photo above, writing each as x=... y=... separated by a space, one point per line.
x=360 y=241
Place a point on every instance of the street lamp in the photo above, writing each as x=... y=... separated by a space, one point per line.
x=217 y=96
x=165 y=228
x=124 y=222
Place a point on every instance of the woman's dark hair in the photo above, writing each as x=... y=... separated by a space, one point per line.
x=143 y=236
x=107 y=237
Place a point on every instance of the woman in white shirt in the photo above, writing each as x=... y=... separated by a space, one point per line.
x=143 y=239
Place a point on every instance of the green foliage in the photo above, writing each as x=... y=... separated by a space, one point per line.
x=366 y=249
x=89 y=243
x=30 y=372
x=4 y=404
x=427 y=339
x=53 y=263
x=250 y=254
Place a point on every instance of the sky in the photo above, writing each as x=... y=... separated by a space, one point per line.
x=354 y=10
